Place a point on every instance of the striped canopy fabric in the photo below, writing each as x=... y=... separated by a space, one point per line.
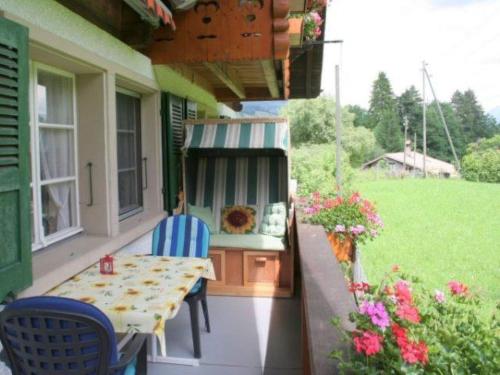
x=217 y=182
x=271 y=134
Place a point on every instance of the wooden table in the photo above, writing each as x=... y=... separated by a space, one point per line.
x=142 y=294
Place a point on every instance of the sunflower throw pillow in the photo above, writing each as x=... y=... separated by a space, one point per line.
x=238 y=219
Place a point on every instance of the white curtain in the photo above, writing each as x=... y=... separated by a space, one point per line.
x=55 y=106
x=56 y=160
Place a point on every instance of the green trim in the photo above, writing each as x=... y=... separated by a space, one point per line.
x=15 y=221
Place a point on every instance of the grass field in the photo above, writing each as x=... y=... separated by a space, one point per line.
x=437 y=230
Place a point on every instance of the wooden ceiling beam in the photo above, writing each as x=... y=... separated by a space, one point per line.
x=270 y=75
x=228 y=77
x=253 y=93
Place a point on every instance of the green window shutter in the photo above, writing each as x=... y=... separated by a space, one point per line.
x=15 y=227
x=173 y=113
x=191 y=110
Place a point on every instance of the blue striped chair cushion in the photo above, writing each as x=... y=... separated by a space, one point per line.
x=182 y=236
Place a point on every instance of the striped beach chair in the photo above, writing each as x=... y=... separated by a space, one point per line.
x=186 y=236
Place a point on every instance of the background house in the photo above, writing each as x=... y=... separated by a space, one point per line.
x=396 y=163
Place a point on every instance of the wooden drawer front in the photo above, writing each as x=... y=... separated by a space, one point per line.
x=219 y=261
x=261 y=268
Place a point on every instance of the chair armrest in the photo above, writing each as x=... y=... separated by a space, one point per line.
x=137 y=347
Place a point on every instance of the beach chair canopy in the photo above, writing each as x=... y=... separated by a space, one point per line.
x=241 y=137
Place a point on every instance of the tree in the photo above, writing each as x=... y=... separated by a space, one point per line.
x=437 y=141
x=410 y=107
x=361 y=116
x=384 y=117
x=475 y=124
x=313 y=122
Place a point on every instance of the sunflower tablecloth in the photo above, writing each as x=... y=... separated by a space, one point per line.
x=143 y=292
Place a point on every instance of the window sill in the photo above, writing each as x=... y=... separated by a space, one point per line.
x=59 y=262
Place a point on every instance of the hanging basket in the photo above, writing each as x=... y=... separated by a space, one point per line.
x=343 y=248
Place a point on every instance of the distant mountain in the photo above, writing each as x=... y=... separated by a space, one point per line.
x=262 y=109
x=495 y=112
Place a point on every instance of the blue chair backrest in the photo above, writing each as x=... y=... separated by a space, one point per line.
x=55 y=335
x=182 y=236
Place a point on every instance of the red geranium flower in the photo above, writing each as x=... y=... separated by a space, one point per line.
x=402 y=292
x=457 y=288
x=408 y=312
x=368 y=343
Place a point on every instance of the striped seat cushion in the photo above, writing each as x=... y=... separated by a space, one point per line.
x=181 y=235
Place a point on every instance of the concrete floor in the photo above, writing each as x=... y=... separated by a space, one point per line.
x=250 y=336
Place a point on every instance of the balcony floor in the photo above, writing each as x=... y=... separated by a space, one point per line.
x=250 y=336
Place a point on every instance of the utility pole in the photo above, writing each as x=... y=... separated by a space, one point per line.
x=405 y=121
x=338 y=131
x=424 y=122
x=442 y=119
x=415 y=155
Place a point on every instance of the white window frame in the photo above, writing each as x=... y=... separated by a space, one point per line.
x=139 y=209
x=40 y=240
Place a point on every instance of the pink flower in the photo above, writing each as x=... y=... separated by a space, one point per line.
x=329 y=203
x=408 y=312
x=369 y=343
x=316 y=18
x=373 y=233
x=357 y=230
x=402 y=292
x=457 y=288
x=355 y=198
x=375 y=219
x=377 y=313
x=317 y=31
x=339 y=228
x=316 y=197
x=439 y=296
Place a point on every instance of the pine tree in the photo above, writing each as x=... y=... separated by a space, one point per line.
x=410 y=107
x=474 y=123
x=384 y=116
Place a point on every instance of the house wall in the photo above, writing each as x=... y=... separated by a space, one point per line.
x=101 y=63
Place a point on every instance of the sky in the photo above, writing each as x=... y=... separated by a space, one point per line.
x=459 y=39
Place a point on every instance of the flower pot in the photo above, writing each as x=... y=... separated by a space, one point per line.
x=342 y=248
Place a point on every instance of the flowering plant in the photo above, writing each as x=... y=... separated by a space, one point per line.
x=347 y=215
x=402 y=328
x=312 y=25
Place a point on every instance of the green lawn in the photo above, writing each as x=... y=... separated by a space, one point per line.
x=438 y=230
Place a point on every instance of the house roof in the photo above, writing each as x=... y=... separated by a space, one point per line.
x=416 y=160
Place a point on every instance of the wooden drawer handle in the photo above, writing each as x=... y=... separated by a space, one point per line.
x=260 y=260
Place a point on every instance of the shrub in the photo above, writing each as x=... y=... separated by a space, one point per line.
x=482 y=161
x=402 y=328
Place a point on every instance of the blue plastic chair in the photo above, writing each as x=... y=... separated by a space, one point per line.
x=186 y=236
x=55 y=335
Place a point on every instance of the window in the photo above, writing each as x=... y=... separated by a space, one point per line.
x=54 y=179
x=128 y=124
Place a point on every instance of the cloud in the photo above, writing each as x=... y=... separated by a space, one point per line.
x=456 y=2
x=459 y=43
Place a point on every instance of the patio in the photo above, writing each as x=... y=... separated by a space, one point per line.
x=250 y=336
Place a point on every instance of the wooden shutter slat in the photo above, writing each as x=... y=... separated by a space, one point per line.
x=8 y=121
x=8 y=92
x=8 y=72
x=8 y=63
x=8 y=131
x=6 y=111
x=8 y=82
x=7 y=141
x=10 y=102
x=8 y=150
x=8 y=52
x=8 y=161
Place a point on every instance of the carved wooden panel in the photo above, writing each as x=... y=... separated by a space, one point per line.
x=225 y=30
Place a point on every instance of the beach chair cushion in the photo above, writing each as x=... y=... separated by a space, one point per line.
x=238 y=219
x=274 y=221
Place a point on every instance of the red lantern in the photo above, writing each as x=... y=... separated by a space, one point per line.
x=106 y=264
